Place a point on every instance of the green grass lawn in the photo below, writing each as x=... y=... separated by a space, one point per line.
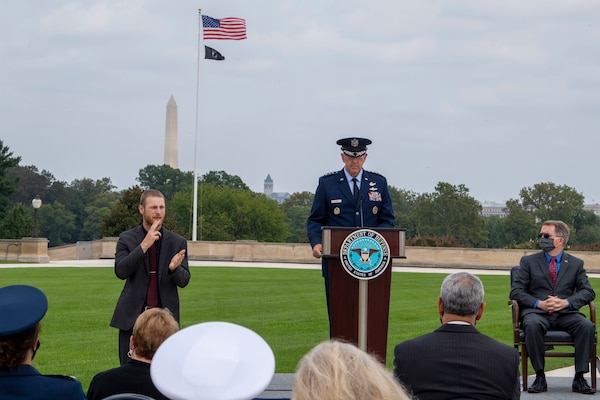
x=285 y=306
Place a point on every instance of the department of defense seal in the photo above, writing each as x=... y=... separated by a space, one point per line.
x=365 y=254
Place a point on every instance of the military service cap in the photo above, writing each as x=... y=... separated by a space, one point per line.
x=21 y=308
x=354 y=147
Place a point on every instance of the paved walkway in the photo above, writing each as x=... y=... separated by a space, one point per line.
x=559 y=381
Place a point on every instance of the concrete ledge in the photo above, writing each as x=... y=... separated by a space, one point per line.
x=32 y=250
x=301 y=253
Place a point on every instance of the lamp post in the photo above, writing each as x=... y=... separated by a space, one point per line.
x=36 y=203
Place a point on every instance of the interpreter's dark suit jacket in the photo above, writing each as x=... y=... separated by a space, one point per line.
x=457 y=361
x=532 y=282
x=131 y=263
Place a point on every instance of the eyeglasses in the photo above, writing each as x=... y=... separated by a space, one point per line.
x=546 y=236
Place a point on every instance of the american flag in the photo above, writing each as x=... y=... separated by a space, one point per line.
x=229 y=28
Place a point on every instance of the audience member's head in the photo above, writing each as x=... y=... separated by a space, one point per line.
x=21 y=310
x=338 y=370
x=151 y=328
x=461 y=298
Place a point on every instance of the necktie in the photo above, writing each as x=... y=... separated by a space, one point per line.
x=152 y=294
x=356 y=190
x=552 y=269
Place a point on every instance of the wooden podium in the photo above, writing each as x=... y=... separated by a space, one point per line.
x=360 y=305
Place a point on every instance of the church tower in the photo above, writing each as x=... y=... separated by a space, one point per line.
x=268 y=185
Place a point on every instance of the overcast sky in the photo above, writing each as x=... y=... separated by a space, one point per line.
x=495 y=95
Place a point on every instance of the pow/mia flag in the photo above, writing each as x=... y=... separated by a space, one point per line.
x=212 y=54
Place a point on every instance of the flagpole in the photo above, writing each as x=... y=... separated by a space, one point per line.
x=195 y=189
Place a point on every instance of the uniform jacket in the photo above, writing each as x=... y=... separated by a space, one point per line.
x=457 y=361
x=131 y=264
x=25 y=382
x=334 y=204
x=133 y=377
x=532 y=282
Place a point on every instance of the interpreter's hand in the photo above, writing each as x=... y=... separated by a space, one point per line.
x=152 y=236
x=318 y=250
x=176 y=260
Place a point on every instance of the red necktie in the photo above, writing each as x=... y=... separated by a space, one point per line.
x=152 y=294
x=552 y=269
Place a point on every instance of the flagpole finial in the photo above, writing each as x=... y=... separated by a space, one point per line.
x=199 y=10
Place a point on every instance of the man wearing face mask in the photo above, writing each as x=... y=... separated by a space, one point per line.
x=551 y=287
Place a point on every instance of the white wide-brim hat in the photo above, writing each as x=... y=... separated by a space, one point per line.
x=213 y=361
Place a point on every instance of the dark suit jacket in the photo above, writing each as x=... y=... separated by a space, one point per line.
x=457 y=361
x=131 y=263
x=133 y=377
x=334 y=204
x=532 y=282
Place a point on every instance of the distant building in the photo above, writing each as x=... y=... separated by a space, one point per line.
x=278 y=197
x=489 y=209
x=595 y=208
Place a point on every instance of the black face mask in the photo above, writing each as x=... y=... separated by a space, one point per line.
x=547 y=244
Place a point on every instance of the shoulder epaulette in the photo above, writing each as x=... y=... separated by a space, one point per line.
x=376 y=173
x=330 y=173
x=67 y=377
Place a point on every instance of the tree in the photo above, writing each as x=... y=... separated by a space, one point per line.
x=587 y=226
x=86 y=198
x=7 y=182
x=519 y=226
x=31 y=183
x=57 y=224
x=548 y=201
x=403 y=202
x=297 y=209
x=164 y=178
x=229 y=214
x=123 y=214
x=450 y=212
x=223 y=179
x=17 y=222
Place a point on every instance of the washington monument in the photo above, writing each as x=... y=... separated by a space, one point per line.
x=171 y=149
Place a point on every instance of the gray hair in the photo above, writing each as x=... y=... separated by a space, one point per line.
x=562 y=230
x=462 y=294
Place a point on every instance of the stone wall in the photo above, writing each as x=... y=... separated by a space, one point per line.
x=252 y=251
x=29 y=250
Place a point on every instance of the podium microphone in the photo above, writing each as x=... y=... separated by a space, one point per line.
x=362 y=221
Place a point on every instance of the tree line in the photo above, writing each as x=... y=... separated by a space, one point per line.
x=87 y=209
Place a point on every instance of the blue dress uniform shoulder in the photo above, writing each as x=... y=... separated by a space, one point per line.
x=65 y=377
x=376 y=173
x=330 y=174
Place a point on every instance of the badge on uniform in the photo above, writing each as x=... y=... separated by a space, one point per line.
x=336 y=211
x=375 y=210
x=374 y=196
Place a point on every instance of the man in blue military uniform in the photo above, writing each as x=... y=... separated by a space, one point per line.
x=21 y=310
x=351 y=197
